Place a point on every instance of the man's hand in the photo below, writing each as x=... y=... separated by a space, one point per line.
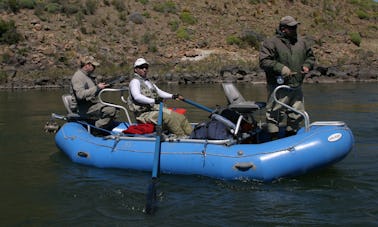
x=158 y=100
x=178 y=97
x=285 y=71
x=102 y=85
x=305 y=69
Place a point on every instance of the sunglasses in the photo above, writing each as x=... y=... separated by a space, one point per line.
x=143 y=67
x=291 y=27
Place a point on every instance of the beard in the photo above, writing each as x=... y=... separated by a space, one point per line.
x=292 y=37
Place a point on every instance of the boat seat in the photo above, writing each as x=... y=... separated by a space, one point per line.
x=71 y=107
x=237 y=102
x=69 y=103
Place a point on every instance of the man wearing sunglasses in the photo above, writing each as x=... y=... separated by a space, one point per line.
x=285 y=58
x=85 y=89
x=144 y=99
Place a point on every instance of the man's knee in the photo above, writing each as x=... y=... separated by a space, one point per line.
x=109 y=111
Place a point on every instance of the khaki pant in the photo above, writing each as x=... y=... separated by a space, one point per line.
x=106 y=114
x=275 y=113
x=174 y=122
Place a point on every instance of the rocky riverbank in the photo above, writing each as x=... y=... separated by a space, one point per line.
x=185 y=41
x=235 y=74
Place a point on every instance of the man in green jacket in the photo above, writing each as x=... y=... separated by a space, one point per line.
x=285 y=58
x=85 y=89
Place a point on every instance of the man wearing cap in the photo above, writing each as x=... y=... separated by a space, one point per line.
x=285 y=58
x=85 y=89
x=144 y=98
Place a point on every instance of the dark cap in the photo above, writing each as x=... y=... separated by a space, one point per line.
x=288 y=21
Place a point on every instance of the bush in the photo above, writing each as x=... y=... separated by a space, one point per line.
x=252 y=39
x=14 y=6
x=362 y=14
x=165 y=7
x=27 y=4
x=231 y=40
x=119 y=5
x=173 y=25
x=90 y=7
x=8 y=32
x=53 y=8
x=144 y=2
x=183 y=33
x=188 y=18
x=355 y=38
x=70 y=9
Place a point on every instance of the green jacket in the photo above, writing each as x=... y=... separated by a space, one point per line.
x=277 y=52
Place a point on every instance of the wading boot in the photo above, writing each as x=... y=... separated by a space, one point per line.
x=290 y=133
x=274 y=136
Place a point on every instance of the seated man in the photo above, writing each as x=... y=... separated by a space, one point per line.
x=144 y=98
x=85 y=89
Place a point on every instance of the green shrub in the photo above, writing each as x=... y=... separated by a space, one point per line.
x=119 y=5
x=3 y=77
x=362 y=14
x=106 y=2
x=27 y=4
x=148 y=38
x=173 y=25
x=355 y=38
x=13 y=6
x=231 y=40
x=165 y=7
x=90 y=7
x=188 y=18
x=252 y=39
x=144 y=2
x=122 y=16
x=255 y=2
x=4 y=58
x=53 y=8
x=70 y=9
x=183 y=33
x=146 y=15
x=8 y=32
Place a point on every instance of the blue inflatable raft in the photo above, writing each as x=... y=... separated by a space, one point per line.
x=315 y=146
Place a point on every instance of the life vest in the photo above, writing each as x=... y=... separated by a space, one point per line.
x=139 y=108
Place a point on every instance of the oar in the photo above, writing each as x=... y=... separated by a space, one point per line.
x=151 y=193
x=200 y=106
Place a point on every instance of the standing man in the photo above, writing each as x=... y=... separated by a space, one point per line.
x=144 y=99
x=85 y=89
x=288 y=56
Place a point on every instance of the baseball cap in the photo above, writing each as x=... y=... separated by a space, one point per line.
x=90 y=59
x=288 y=21
x=139 y=62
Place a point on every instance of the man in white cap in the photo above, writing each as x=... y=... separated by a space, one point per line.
x=85 y=89
x=285 y=58
x=144 y=98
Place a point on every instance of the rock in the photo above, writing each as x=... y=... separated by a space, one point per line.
x=42 y=81
x=136 y=18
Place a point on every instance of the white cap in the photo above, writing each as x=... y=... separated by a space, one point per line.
x=140 y=61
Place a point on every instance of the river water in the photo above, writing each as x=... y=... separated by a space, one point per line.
x=41 y=187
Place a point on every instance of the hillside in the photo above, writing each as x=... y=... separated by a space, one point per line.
x=178 y=36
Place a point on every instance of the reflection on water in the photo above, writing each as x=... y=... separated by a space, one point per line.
x=41 y=186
